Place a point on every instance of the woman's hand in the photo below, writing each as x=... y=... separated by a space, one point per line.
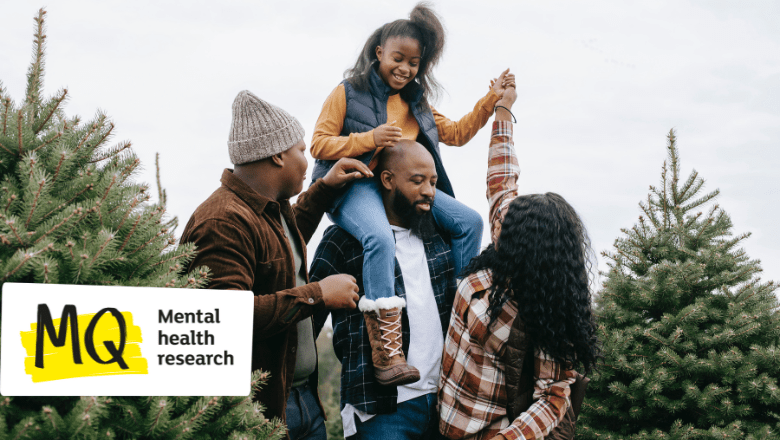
x=509 y=98
x=387 y=135
x=504 y=81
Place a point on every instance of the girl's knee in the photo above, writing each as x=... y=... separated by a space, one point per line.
x=472 y=221
x=380 y=242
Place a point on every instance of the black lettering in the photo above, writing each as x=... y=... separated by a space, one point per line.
x=160 y=358
x=164 y=318
x=57 y=338
x=116 y=353
x=162 y=339
x=228 y=357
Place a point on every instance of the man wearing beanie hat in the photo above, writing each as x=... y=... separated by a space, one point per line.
x=251 y=238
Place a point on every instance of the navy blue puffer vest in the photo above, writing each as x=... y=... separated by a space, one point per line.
x=368 y=110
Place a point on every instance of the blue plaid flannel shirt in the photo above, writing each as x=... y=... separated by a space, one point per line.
x=339 y=252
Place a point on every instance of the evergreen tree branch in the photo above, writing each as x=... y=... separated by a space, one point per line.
x=35 y=202
x=27 y=257
x=45 y=272
x=47 y=413
x=102 y=247
x=6 y=149
x=151 y=256
x=124 y=243
x=53 y=138
x=31 y=162
x=10 y=223
x=85 y=138
x=63 y=156
x=146 y=244
x=26 y=424
x=688 y=185
x=113 y=152
x=161 y=409
x=35 y=74
x=663 y=198
x=675 y=165
x=173 y=258
x=7 y=102
x=100 y=203
x=133 y=204
x=57 y=101
x=701 y=201
x=160 y=190
x=194 y=419
x=11 y=199
x=62 y=205
x=19 y=130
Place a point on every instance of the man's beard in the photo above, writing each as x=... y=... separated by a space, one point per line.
x=420 y=225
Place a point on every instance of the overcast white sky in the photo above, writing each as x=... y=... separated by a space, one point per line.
x=600 y=84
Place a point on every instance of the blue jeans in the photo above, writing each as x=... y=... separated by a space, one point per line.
x=415 y=419
x=362 y=214
x=304 y=416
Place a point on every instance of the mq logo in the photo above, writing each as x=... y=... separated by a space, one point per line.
x=51 y=355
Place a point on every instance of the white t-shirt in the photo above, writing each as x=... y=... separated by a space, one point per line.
x=426 y=340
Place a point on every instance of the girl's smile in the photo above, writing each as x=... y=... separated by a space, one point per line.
x=399 y=61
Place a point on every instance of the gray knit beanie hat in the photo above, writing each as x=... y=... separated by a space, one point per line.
x=260 y=129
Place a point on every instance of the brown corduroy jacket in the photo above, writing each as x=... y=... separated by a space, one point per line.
x=239 y=236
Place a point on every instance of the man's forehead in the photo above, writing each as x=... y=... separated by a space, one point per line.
x=419 y=171
x=409 y=156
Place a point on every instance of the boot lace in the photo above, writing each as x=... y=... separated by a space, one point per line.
x=391 y=333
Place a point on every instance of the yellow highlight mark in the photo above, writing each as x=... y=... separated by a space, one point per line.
x=58 y=361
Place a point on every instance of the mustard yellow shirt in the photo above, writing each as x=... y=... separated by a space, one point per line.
x=328 y=144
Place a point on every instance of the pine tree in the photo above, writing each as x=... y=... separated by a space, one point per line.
x=70 y=213
x=69 y=210
x=158 y=418
x=691 y=335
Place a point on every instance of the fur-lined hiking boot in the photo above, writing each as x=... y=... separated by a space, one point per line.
x=383 y=322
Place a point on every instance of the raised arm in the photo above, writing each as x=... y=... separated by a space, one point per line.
x=503 y=169
x=458 y=133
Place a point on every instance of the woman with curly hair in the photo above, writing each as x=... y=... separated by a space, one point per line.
x=522 y=321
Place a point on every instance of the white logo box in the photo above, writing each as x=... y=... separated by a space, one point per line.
x=233 y=334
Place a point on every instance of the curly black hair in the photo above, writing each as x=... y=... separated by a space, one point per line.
x=424 y=26
x=542 y=261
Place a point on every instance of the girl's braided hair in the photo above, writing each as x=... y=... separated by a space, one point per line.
x=424 y=26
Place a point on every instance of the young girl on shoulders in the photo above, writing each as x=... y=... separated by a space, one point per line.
x=385 y=98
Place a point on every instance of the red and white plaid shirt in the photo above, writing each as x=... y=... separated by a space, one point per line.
x=472 y=389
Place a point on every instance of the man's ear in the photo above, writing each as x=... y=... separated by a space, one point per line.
x=277 y=160
x=386 y=178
